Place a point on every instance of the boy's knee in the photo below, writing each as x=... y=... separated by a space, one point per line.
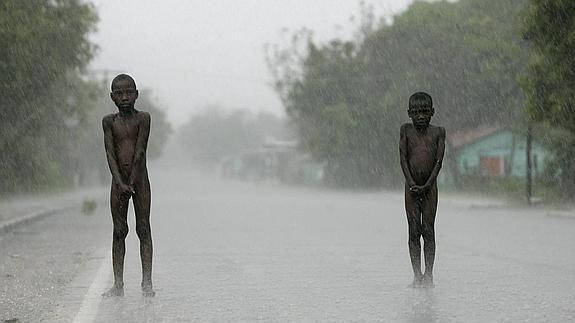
x=428 y=232
x=414 y=235
x=120 y=233
x=415 y=229
x=143 y=230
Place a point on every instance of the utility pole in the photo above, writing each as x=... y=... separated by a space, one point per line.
x=528 y=153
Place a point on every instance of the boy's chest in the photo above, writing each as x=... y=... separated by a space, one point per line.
x=125 y=128
x=427 y=140
x=422 y=139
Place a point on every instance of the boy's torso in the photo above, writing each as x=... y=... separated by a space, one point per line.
x=125 y=133
x=422 y=151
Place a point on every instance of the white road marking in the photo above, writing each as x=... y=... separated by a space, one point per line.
x=91 y=302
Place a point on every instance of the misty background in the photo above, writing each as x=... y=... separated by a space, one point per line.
x=312 y=93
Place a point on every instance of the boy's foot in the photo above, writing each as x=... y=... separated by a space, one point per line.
x=417 y=283
x=427 y=281
x=147 y=290
x=115 y=291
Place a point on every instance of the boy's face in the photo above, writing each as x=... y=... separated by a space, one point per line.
x=124 y=94
x=420 y=115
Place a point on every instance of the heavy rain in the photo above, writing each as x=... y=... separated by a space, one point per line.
x=375 y=160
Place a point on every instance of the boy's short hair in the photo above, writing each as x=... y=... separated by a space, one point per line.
x=419 y=99
x=122 y=77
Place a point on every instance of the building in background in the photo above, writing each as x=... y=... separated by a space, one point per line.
x=496 y=152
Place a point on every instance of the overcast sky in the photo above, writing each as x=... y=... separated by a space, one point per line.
x=194 y=53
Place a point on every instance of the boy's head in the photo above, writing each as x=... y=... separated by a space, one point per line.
x=124 y=92
x=420 y=109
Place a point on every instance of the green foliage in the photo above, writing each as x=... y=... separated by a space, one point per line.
x=89 y=206
x=349 y=98
x=467 y=55
x=43 y=46
x=550 y=83
x=41 y=42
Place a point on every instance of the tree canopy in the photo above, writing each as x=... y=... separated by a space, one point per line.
x=549 y=25
x=348 y=98
x=50 y=108
x=43 y=45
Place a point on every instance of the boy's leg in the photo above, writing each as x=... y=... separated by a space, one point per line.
x=429 y=209
x=412 y=210
x=119 y=208
x=142 y=201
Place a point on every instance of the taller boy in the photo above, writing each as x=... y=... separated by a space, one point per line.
x=421 y=149
x=126 y=139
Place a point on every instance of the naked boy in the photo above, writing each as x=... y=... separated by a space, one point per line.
x=421 y=149
x=126 y=139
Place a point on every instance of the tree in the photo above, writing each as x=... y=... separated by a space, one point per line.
x=348 y=98
x=549 y=25
x=43 y=45
x=467 y=55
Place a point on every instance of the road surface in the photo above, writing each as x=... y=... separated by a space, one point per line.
x=237 y=251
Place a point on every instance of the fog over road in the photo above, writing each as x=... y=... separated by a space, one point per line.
x=237 y=251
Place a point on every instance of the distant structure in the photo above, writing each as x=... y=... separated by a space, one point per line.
x=495 y=152
x=277 y=160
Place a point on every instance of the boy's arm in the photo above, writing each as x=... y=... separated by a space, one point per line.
x=110 y=153
x=141 y=147
x=403 y=157
x=438 y=158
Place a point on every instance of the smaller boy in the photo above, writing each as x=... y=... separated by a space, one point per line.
x=421 y=149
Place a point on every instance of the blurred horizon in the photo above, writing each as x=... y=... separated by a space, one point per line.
x=193 y=54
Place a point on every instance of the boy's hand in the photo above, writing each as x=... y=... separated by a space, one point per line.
x=126 y=190
x=417 y=189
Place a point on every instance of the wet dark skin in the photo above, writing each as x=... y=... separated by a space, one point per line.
x=126 y=139
x=421 y=149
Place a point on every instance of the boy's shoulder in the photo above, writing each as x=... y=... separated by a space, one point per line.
x=406 y=126
x=143 y=114
x=437 y=132
x=108 y=118
x=144 y=117
x=437 y=129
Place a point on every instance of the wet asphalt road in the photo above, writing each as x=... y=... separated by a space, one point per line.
x=235 y=251
x=39 y=261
